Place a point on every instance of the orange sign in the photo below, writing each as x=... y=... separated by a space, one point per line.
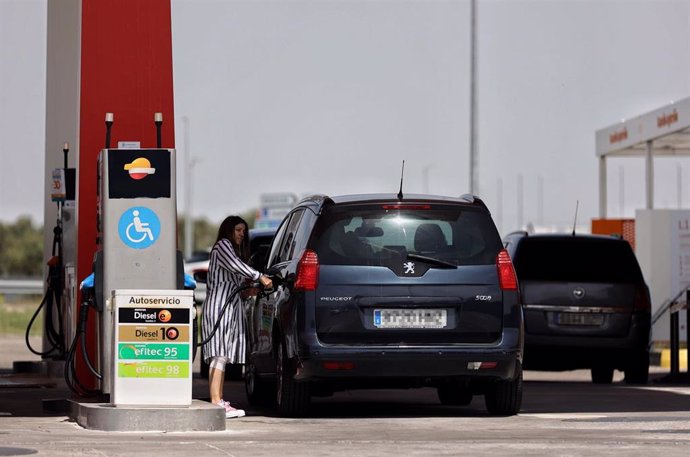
x=667 y=119
x=618 y=136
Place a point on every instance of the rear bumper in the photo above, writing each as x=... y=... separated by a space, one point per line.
x=582 y=351
x=319 y=362
x=637 y=336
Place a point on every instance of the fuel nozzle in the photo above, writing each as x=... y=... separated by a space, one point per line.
x=277 y=279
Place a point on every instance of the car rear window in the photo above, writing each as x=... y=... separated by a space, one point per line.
x=576 y=260
x=376 y=234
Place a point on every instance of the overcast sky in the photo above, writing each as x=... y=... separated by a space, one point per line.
x=330 y=96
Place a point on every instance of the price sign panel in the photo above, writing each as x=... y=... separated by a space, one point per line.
x=152 y=347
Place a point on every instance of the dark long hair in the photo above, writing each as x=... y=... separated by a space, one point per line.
x=226 y=230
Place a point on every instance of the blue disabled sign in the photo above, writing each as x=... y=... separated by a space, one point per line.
x=139 y=227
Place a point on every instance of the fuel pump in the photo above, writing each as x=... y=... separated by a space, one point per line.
x=56 y=304
x=137 y=289
x=144 y=308
x=68 y=220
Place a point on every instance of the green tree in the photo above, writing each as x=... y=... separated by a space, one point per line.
x=21 y=249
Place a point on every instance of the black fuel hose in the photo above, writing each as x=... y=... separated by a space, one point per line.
x=254 y=285
x=70 y=372
x=52 y=340
x=222 y=312
x=53 y=296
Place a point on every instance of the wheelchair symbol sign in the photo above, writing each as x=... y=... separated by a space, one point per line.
x=139 y=227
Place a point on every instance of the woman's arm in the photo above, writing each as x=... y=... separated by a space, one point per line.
x=228 y=259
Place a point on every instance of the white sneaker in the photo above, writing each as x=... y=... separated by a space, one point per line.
x=231 y=412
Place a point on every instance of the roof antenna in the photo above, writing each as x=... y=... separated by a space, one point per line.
x=400 y=194
x=577 y=203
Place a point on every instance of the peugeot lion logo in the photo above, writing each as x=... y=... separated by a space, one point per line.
x=409 y=268
x=579 y=293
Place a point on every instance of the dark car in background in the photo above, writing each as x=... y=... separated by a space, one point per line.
x=585 y=302
x=383 y=292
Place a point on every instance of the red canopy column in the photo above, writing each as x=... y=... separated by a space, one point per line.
x=126 y=69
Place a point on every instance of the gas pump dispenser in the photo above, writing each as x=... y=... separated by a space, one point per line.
x=145 y=316
x=58 y=328
x=68 y=221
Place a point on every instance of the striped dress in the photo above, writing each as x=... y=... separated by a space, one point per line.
x=226 y=273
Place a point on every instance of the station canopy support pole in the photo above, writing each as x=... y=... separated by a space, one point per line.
x=602 y=187
x=649 y=175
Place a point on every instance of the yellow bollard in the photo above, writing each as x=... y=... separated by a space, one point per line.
x=666 y=358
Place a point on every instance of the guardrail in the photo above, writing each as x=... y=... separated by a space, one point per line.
x=21 y=286
x=669 y=304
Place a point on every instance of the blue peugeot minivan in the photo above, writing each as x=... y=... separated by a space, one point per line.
x=377 y=291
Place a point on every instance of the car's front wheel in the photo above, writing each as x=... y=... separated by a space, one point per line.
x=504 y=398
x=292 y=397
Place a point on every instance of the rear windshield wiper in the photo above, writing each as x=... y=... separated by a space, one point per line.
x=431 y=260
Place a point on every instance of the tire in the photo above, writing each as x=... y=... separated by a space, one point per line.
x=504 y=398
x=259 y=392
x=452 y=394
x=292 y=398
x=602 y=375
x=637 y=370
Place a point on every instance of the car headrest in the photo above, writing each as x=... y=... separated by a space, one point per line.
x=429 y=237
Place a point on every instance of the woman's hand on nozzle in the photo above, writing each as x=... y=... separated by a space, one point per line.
x=266 y=282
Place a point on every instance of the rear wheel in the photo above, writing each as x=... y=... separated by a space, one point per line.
x=637 y=370
x=453 y=394
x=292 y=398
x=602 y=375
x=504 y=398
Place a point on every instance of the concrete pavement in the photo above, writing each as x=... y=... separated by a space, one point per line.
x=562 y=414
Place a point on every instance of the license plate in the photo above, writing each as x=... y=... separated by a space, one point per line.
x=410 y=318
x=579 y=319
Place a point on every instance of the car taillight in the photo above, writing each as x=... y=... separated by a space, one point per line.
x=642 y=300
x=307 y=271
x=506 y=273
